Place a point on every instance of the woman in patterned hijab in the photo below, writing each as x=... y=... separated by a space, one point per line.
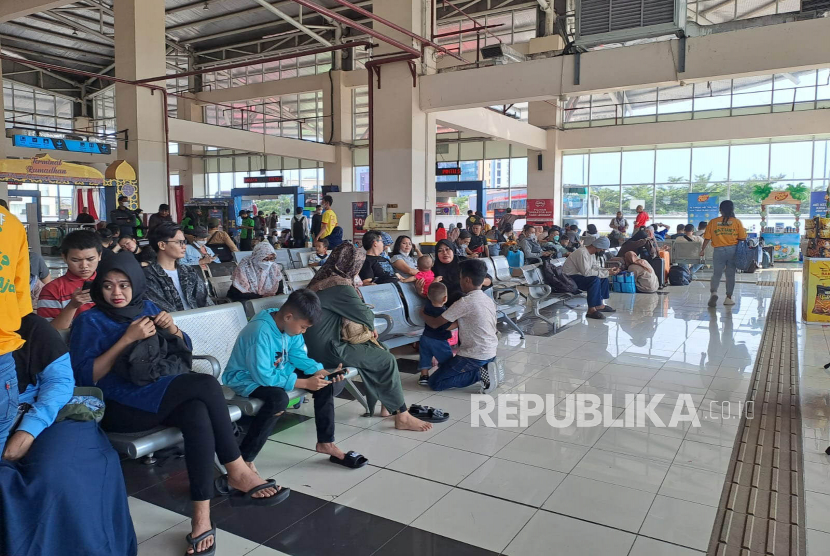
x=258 y=275
x=340 y=269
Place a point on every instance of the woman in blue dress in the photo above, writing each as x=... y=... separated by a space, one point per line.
x=192 y=402
x=61 y=487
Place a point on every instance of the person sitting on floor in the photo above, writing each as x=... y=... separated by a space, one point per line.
x=53 y=455
x=257 y=275
x=269 y=359
x=170 y=285
x=434 y=347
x=64 y=298
x=644 y=277
x=475 y=314
x=584 y=267
x=197 y=252
x=100 y=346
x=321 y=253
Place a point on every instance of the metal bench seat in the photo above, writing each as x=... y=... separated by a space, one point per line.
x=502 y=271
x=386 y=300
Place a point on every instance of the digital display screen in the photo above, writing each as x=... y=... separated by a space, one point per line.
x=448 y=171
x=51 y=144
x=263 y=179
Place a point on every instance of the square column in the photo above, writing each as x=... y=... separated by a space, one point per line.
x=339 y=128
x=140 y=53
x=547 y=182
x=404 y=136
x=192 y=176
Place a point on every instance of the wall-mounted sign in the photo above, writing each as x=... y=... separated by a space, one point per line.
x=45 y=169
x=447 y=171
x=262 y=179
x=540 y=212
x=51 y=144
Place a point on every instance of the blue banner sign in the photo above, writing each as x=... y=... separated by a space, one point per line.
x=818 y=203
x=702 y=207
x=70 y=145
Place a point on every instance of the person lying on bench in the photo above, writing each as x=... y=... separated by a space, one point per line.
x=269 y=360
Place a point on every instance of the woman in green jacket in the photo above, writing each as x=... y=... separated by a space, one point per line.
x=343 y=306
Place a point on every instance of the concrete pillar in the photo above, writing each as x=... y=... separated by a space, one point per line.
x=192 y=178
x=547 y=182
x=404 y=136
x=341 y=171
x=140 y=53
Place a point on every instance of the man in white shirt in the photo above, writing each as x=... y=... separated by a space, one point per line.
x=584 y=268
x=476 y=316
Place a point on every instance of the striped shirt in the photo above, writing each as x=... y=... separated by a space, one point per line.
x=58 y=293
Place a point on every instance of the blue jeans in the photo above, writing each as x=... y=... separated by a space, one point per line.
x=598 y=289
x=695 y=268
x=457 y=372
x=8 y=397
x=431 y=347
x=724 y=260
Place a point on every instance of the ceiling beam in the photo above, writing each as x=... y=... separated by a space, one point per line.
x=293 y=22
x=22 y=62
x=15 y=9
x=35 y=54
x=80 y=27
x=57 y=35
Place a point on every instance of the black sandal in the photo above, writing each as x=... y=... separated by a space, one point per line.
x=239 y=498
x=195 y=542
x=353 y=460
x=428 y=414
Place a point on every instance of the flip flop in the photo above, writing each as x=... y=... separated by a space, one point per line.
x=195 y=542
x=353 y=460
x=428 y=414
x=239 y=498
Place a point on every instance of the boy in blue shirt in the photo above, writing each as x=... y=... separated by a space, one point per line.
x=434 y=344
x=270 y=359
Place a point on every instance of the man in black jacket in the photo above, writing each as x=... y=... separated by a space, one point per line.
x=124 y=217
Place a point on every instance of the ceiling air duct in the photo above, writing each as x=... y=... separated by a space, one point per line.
x=614 y=21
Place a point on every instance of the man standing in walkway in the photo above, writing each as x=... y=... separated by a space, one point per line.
x=246 y=234
x=642 y=218
x=124 y=217
x=329 y=218
x=163 y=215
x=316 y=221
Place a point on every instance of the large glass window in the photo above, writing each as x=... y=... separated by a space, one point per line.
x=801 y=90
x=227 y=170
x=30 y=107
x=660 y=179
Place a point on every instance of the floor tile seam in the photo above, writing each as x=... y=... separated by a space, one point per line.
x=163 y=508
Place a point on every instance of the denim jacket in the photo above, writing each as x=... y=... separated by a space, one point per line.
x=162 y=292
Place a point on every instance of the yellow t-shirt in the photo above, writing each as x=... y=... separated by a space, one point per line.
x=724 y=235
x=329 y=222
x=15 y=299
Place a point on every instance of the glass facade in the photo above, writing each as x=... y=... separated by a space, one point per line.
x=103 y=111
x=33 y=108
x=788 y=92
x=598 y=183
x=297 y=116
x=225 y=170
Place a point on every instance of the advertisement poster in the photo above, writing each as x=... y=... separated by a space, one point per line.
x=818 y=203
x=360 y=211
x=815 y=302
x=540 y=212
x=785 y=246
x=702 y=207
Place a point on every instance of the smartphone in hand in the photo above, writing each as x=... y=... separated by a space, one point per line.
x=335 y=374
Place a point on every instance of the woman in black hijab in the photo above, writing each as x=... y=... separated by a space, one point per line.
x=447 y=267
x=192 y=402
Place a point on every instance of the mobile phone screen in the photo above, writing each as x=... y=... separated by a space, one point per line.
x=87 y=285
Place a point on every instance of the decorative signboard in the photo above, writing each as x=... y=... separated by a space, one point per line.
x=702 y=207
x=539 y=212
x=45 y=169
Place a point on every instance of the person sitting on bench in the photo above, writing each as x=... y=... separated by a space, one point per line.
x=269 y=360
x=101 y=341
x=583 y=266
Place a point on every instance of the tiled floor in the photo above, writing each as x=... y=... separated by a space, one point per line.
x=458 y=490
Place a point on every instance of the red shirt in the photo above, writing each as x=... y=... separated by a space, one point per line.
x=58 y=293
x=641 y=220
x=440 y=233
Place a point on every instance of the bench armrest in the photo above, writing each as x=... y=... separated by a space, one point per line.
x=386 y=335
x=216 y=368
x=499 y=289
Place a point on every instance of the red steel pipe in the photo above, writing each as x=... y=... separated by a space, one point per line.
x=355 y=25
x=158 y=88
x=371 y=66
x=321 y=50
x=398 y=28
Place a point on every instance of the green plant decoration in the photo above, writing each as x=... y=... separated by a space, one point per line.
x=799 y=192
x=761 y=191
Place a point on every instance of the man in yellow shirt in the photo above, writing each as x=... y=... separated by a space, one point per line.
x=329 y=218
x=723 y=233
x=15 y=303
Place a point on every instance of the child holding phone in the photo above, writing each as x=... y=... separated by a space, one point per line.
x=269 y=360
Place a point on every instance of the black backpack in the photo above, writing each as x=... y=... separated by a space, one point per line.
x=679 y=275
x=221 y=250
x=298 y=231
x=558 y=281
